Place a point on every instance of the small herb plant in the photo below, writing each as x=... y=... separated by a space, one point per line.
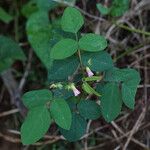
x=84 y=84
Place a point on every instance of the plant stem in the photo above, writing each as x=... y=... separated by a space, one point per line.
x=80 y=59
x=132 y=30
x=79 y=55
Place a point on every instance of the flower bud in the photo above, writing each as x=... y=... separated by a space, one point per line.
x=89 y=72
x=75 y=90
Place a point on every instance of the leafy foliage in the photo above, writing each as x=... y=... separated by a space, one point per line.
x=9 y=52
x=77 y=67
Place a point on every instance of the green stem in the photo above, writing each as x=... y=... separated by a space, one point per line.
x=80 y=59
x=132 y=30
x=79 y=55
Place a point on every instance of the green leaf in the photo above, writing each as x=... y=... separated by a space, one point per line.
x=130 y=79
x=89 y=109
x=5 y=64
x=61 y=113
x=123 y=75
x=62 y=93
x=4 y=16
x=58 y=34
x=64 y=48
x=34 y=5
x=88 y=89
x=36 y=125
x=72 y=20
x=9 y=52
x=46 y=5
x=92 y=42
x=116 y=74
x=102 y=9
x=72 y=102
x=29 y=8
x=39 y=35
x=129 y=88
x=77 y=130
x=36 y=98
x=61 y=69
x=111 y=101
x=98 y=61
x=119 y=7
x=10 y=49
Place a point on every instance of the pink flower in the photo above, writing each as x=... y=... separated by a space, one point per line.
x=75 y=90
x=89 y=72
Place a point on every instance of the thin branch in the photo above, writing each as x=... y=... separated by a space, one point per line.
x=6 y=113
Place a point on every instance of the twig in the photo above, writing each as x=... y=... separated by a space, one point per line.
x=126 y=134
x=2 y=93
x=135 y=128
x=82 y=11
x=6 y=113
x=87 y=131
x=11 y=139
x=25 y=75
